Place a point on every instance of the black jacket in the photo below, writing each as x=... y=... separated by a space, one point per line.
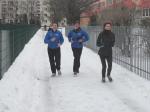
x=105 y=41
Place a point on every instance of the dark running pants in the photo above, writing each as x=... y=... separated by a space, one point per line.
x=54 y=58
x=77 y=55
x=105 y=59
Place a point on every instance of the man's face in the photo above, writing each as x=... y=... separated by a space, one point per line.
x=77 y=25
x=54 y=26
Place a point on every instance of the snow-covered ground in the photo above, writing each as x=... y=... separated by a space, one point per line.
x=28 y=87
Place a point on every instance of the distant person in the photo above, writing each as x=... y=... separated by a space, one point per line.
x=54 y=39
x=77 y=37
x=105 y=42
x=50 y=28
x=45 y=27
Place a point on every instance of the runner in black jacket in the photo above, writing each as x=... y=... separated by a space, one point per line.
x=105 y=41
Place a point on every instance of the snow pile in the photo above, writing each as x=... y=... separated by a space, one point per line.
x=21 y=91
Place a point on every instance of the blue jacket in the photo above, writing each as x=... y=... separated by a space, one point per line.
x=75 y=35
x=53 y=39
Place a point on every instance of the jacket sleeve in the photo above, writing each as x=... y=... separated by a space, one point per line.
x=70 y=36
x=61 y=38
x=99 y=41
x=85 y=36
x=47 y=38
x=113 y=40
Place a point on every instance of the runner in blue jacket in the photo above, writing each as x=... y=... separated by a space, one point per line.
x=77 y=37
x=54 y=39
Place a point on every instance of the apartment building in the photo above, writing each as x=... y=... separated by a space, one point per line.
x=0 y=11
x=145 y=6
x=45 y=13
x=20 y=11
x=8 y=11
x=142 y=9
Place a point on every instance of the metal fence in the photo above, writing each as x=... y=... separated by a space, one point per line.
x=131 y=50
x=12 y=40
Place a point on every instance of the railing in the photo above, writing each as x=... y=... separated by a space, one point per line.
x=132 y=47
x=12 y=40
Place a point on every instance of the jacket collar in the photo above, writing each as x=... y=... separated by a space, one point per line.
x=54 y=31
x=77 y=30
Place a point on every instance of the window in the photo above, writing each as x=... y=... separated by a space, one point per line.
x=109 y=2
x=146 y=12
x=143 y=12
x=46 y=9
x=117 y=1
x=102 y=4
x=45 y=15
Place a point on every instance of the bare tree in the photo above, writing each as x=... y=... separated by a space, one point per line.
x=56 y=9
x=76 y=7
x=71 y=9
x=120 y=15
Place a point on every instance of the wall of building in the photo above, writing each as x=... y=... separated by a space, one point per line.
x=15 y=10
x=45 y=13
x=84 y=21
x=0 y=11
x=143 y=9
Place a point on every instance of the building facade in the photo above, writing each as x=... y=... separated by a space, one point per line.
x=0 y=12
x=142 y=9
x=20 y=11
x=45 y=13
x=8 y=11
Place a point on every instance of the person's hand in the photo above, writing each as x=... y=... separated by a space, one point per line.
x=80 y=40
x=53 y=39
x=101 y=46
x=59 y=44
x=72 y=41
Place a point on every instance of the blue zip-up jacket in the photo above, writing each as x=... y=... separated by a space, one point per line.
x=53 y=39
x=75 y=35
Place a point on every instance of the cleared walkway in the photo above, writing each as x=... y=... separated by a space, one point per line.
x=28 y=87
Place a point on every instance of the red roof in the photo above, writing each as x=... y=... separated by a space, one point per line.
x=129 y=3
x=145 y=4
x=94 y=9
